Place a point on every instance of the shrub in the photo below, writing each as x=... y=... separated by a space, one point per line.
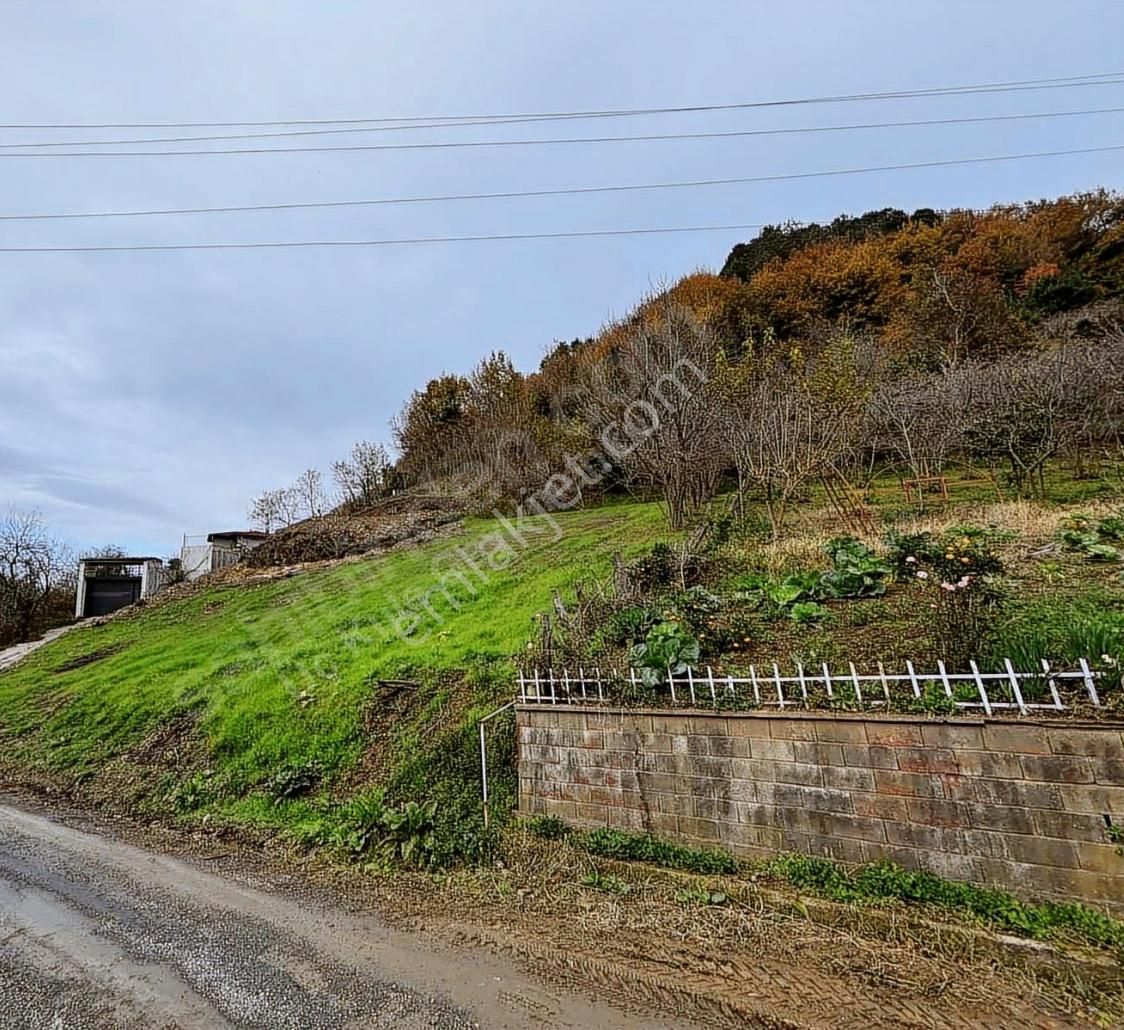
x=956 y=574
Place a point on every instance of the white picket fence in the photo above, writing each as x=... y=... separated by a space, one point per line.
x=1008 y=691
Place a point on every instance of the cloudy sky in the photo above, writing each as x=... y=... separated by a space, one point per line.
x=149 y=394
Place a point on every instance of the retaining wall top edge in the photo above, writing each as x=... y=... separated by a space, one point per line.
x=1112 y=725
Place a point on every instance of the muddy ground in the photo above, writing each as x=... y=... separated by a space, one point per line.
x=652 y=954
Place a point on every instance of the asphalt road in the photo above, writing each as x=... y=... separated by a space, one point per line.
x=95 y=933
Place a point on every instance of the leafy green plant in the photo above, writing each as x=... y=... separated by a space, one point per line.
x=549 y=827
x=643 y=847
x=808 y=613
x=625 y=627
x=796 y=586
x=1090 y=538
x=668 y=647
x=294 y=781
x=698 y=896
x=857 y=571
x=933 y=701
x=885 y=880
x=606 y=882
x=408 y=833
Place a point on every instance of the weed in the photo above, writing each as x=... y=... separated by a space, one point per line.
x=642 y=847
x=887 y=881
x=696 y=896
x=808 y=613
x=548 y=827
x=606 y=882
x=294 y=781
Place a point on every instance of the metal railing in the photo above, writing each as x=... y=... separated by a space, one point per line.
x=1009 y=691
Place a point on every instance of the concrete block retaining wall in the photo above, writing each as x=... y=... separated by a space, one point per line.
x=1026 y=805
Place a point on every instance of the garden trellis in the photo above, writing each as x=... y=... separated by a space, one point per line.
x=1007 y=691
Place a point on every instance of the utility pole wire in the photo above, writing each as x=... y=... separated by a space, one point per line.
x=1015 y=86
x=460 y=144
x=569 y=191
x=378 y=243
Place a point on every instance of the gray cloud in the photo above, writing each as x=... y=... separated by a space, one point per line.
x=148 y=394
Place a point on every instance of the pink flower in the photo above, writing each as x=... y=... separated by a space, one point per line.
x=922 y=574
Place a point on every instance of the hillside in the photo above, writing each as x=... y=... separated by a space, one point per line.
x=209 y=702
x=274 y=703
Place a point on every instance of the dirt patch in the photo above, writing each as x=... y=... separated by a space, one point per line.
x=341 y=534
x=81 y=661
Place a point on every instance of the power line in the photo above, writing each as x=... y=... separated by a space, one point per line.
x=572 y=190
x=381 y=243
x=460 y=144
x=1018 y=85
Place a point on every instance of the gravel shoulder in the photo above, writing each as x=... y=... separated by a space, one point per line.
x=95 y=932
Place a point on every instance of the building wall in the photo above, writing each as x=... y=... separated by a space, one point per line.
x=1022 y=804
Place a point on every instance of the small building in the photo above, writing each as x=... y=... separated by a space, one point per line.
x=108 y=583
x=200 y=555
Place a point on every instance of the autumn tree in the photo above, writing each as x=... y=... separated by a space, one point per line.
x=653 y=407
x=789 y=421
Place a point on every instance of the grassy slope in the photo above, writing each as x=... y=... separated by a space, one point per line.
x=240 y=657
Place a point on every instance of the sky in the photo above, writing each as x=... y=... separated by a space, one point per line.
x=145 y=395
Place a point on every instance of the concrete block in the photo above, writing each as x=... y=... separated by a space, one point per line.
x=1014 y=793
x=819 y=799
x=1058 y=768
x=846 y=778
x=1024 y=739
x=1042 y=851
x=957 y=736
x=1001 y=818
x=841 y=731
x=1089 y=743
x=796 y=728
x=937 y=812
x=794 y=772
x=1070 y=825
x=870 y=757
x=908 y=784
x=1102 y=858
x=1093 y=798
x=817 y=752
x=894 y=734
x=928 y=760
x=996 y=765
x=778 y=750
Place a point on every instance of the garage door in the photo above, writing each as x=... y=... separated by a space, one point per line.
x=107 y=595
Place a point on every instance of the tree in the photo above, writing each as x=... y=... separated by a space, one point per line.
x=787 y=423
x=308 y=493
x=363 y=476
x=653 y=403
x=272 y=510
x=34 y=567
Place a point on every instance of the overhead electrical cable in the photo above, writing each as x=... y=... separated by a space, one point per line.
x=1019 y=85
x=571 y=190
x=461 y=144
x=381 y=243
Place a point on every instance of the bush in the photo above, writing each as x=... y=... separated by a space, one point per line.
x=294 y=781
x=956 y=573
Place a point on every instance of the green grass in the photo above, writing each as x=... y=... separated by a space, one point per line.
x=279 y=675
x=881 y=881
